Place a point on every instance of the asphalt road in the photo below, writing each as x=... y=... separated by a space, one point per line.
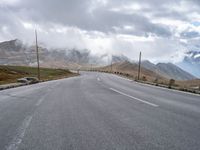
x=97 y=111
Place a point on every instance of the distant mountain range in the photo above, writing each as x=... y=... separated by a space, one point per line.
x=168 y=70
x=132 y=69
x=14 y=52
x=162 y=71
x=120 y=58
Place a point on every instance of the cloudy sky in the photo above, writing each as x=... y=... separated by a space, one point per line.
x=162 y=29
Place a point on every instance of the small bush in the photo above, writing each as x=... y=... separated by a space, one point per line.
x=144 y=78
x=171 y=83
x=156 y=81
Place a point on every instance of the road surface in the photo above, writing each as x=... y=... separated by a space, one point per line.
x=97 y=111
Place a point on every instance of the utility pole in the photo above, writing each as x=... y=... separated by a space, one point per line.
x=111 y=67
x=111 y=64
x=139 y=66
x=108 y=63
x=38 y=62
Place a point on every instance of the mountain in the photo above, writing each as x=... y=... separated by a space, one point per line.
x=170 y=70
x=191 y=63
x=149 y=65
x=162 y=71
x=9 y=46
x=14 y=52
x=119 y=58
x=132 y=69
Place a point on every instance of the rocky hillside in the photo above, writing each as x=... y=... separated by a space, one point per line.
x=170 y=70
x=14 y=52
x=163 y=71
x=132 y=69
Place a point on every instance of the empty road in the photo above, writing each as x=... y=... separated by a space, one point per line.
x=97 y=111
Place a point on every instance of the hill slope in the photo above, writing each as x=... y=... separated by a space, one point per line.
x=162 y=71
x=14 y=52
x=170 y=70
x=132 y=69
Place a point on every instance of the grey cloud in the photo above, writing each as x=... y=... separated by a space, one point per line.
x=92 y=15
x=76 y=13
x=190 y=34
x=141 y=24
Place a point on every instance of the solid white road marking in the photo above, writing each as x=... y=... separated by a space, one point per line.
x=20 y=134
x=135 y=98
x=159 y=87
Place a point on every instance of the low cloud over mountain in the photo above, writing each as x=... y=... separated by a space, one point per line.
x=14 y=52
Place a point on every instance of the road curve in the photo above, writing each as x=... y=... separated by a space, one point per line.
x=97 y=111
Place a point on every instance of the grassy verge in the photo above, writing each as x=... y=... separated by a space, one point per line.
x=10 y=74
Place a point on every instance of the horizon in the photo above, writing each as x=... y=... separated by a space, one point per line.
x=101 y=60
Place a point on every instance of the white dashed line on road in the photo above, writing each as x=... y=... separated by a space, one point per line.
x=135 y=98
x=20 y=134
x=39 y=101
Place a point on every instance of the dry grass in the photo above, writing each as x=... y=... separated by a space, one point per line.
x=10 y=74
x=192 y=84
